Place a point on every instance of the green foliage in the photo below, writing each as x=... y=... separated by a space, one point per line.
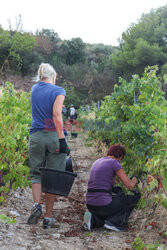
x=6 y=219
x=71 y=96
x=162 y=199
x=164 y=72
x=88 y=234
x=143 y=44
x=146 y=54
x=141 y=127
x=12 y=48
x=75 y=51
x=20 y=44
x=15 y=119
x=15 y=61
x=5 y=43
x=139 y=245
x=50 y=34
x=93 y=69
x=31 y=62
x=99 y=56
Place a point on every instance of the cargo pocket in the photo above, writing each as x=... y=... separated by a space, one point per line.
x=53 y=144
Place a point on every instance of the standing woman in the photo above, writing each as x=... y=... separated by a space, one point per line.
x=105 y=208
x=47 y=145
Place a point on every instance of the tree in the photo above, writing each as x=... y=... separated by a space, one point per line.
x=18 y=26
x=98 y=55
x=30 y=62
x=44 y=46
x=5 y=43
x=20 y=44
x=50 y=34
x=76 y=51
x=143 y=44
x=47 y=42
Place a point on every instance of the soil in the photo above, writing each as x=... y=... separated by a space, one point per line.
x=69 y=211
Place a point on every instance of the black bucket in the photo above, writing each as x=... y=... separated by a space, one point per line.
x=69 y=166
x=74 y=134
x=56 y=181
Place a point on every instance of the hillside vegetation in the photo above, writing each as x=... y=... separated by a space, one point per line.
x=92 y=69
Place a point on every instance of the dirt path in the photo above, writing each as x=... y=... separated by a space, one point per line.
x=68 y=212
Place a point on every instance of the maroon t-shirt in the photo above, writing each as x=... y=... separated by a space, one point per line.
x=102 y=176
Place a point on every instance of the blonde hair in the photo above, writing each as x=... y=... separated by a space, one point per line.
x=46 y=71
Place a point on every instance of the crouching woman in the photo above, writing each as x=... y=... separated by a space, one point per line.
x=106 y=208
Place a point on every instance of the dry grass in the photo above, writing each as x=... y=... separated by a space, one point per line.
x=20 y=83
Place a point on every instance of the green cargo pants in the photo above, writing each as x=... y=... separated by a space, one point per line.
x=43 y=152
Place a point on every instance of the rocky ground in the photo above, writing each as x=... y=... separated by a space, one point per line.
x=69 y=211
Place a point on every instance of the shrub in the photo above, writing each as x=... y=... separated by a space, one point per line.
x=15 y=119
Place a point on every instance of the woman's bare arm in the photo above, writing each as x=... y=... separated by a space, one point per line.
x=129 y=184
x=57 y=115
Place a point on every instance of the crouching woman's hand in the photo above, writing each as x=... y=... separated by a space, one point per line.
x=129 y=184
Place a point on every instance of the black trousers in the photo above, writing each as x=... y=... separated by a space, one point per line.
x=117 y=212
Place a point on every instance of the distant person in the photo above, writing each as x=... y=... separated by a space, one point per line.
x=108 y=209
x=64 y=111
x=73 y=113
x=47 y=144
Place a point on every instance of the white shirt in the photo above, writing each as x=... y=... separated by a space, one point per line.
x=72 y=111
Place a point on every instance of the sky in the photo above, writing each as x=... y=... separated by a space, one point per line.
x=94 y=21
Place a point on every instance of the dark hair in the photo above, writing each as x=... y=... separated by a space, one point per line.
x=117 y=150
